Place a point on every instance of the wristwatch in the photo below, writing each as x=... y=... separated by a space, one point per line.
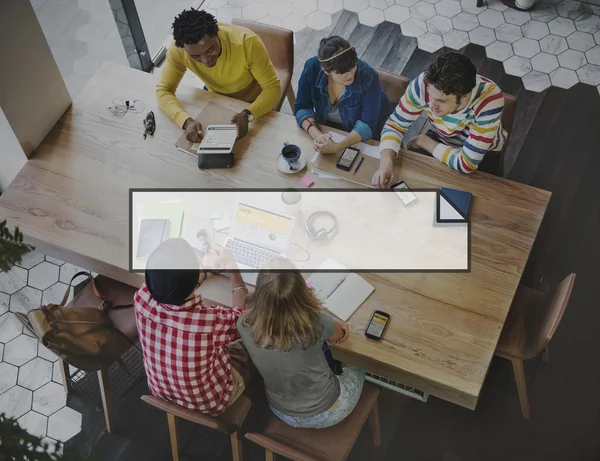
x=249 y=114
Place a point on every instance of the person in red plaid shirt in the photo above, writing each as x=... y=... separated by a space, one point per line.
x=184 y=341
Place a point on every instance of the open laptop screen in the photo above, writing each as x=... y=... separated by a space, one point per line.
x=270 y=222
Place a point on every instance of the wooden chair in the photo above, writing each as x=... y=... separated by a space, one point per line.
x=394 y=85
x=330 y=444
x=279 y=43
x=228 y=422
x=529 y=327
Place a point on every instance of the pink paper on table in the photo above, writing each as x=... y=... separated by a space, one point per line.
x=307 y=181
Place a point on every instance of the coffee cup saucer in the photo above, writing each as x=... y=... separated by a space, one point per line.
x=284 y=166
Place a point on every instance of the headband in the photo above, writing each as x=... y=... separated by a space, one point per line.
x=336 y=55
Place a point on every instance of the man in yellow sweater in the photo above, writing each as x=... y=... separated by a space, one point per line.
x=230 y=60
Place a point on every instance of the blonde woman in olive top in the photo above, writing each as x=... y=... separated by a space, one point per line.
x=230 y=60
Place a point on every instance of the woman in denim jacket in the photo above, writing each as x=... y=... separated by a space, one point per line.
x=338 y=89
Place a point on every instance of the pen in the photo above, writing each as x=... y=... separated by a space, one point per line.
x=336 y=287
x=359 y=164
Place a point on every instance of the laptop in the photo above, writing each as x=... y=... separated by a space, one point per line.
x=257 y=235
x=218 y=139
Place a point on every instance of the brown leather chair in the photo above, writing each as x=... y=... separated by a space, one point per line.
x=228 y=422
x=532 y=320
x=394 y=85
x=279 y=43
x=330 y=444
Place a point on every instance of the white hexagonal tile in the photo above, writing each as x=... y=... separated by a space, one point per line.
x=31 y=259
x=15 y=402
x=1 y=352
x=4 y=302
x=318 y=20
x=35 y=373
x=356 y=5
x=455 y=39
x=305 y=7
x=254 y=11
x=570 y=9
x=371 y=17
x=294 y=22
x=215 y=4
x=330 y=6
x=580 y=41
x=544 y=62
x=561 y=26
x=517 y=66
x=564 y=78
x=8 y=376
x=10 y=327
x=471 y=7
x=20 y=350
x=536 y=81
x=499 y=51
x=535 y=30
x=572 y=59
x=46 y=353
x=406 y=3
x=439 y=25
x=397 y=14
x=381 y=4
x=496 y=5
x=422 y=11
x=526 y=47
x=508 y=33
x=448 y=8
x=270 y=20
x=64 y=424
x=593 y=56
x=49 y=398
x=228 y=13
x=465 y=21
x=588 y=23
x=491 y=18
x=433 y=2
x=56 y=373
x=280 y=9
x=553 y=44
x=54 y=294
x=240 y=3
x=13 y=280
x=43 y=275
x=52 y=260
x=597 y=38
x=25 y=299
x=482 y=36
x=430 y=42
x=516 y=17
x=544 y=12
x=589 y=74
x=67 y=271
x=413 y=28
x=34 y=423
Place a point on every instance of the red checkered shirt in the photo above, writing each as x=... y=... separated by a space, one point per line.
x=184 y=350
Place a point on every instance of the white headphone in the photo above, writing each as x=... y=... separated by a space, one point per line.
x=321 y=233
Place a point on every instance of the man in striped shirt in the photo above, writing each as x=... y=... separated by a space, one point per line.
x=464 y=111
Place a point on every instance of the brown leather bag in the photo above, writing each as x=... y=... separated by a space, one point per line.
x=84 y=337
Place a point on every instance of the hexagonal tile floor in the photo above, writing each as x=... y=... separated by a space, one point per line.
x=30 y=383
x=557 y=43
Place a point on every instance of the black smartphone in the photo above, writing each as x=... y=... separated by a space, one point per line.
x=404 y=193
x=347 y=158
x=377 y=325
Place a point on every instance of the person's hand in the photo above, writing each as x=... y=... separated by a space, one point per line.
x=328 y=147
x=193 y=130
x=219 y=260
x=322 y=138
x=346 y=332
x=241 y=121
x=384 y=176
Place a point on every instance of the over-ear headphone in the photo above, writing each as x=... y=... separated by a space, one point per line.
x=321 y=233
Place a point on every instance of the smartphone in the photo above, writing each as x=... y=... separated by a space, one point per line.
x=404 y=193
x=347 y=158
x=378 y=322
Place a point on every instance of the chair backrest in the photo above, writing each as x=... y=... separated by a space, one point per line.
x=394 y=85
x=508 y=115
x=546 y=326
x=279 y=42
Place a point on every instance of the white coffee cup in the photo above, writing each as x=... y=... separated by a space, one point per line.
x=292 y=201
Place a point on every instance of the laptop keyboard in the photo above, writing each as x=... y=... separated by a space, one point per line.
x=249 y=255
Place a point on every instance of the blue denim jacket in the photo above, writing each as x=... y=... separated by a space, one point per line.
x=364 y=107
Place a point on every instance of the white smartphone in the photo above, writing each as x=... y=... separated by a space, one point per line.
x=404 y=193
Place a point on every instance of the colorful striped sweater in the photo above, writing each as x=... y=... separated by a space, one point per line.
x=465 y=136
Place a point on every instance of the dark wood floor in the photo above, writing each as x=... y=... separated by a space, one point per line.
x=554 y=145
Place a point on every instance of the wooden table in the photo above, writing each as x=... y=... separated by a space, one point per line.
x=71 y=201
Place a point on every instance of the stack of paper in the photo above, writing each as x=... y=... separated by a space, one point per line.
x=366 y=149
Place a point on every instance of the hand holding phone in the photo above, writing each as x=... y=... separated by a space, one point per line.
x=377 y=325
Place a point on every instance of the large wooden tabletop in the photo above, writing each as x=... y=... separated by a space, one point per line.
x=71 y=200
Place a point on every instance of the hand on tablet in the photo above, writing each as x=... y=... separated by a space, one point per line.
x=193 y=130
x=241 y=121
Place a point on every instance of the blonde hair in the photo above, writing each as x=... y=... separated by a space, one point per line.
x=282 y=311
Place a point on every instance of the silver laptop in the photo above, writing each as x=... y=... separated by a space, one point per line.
x=218 y=139
x=257 y=235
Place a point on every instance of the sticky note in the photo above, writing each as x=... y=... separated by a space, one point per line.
x=307 y=181
x=215 y=216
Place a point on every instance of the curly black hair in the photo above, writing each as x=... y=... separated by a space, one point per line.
x=452 y=73
x=192 y=25
x=330 y=46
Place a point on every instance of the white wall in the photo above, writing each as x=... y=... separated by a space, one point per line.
x=12 y=157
